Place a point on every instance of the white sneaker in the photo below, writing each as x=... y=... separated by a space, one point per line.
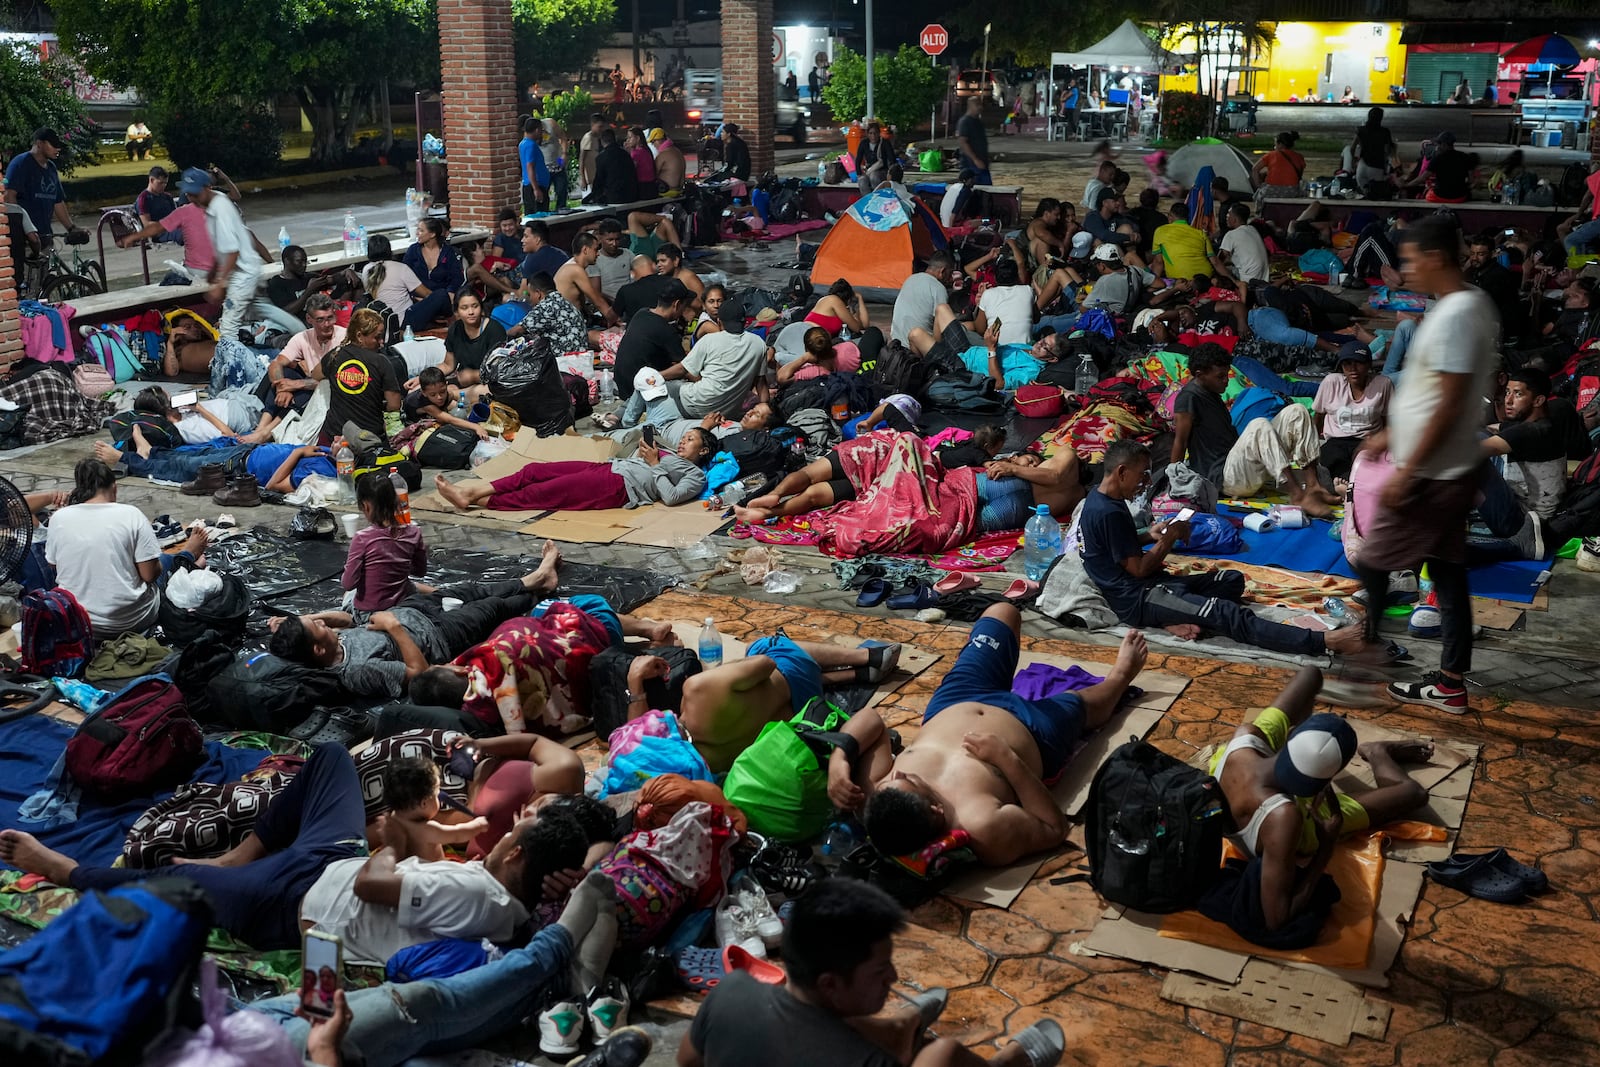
x=1588 y=558
x=561 y=1028
x=607 y=1010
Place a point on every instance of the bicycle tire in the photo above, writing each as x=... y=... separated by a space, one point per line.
x=91 y=268
x=68 y=287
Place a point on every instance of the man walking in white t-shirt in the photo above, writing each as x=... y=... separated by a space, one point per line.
x=237 y=270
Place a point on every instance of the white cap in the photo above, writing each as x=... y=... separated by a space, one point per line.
x=1109 y=253
x=649 y=384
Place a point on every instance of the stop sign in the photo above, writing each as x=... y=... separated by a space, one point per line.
x=934 y=39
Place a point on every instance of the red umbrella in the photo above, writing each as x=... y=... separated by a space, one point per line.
x=1545 y=48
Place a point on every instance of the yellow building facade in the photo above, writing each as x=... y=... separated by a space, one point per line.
x=1314 y=58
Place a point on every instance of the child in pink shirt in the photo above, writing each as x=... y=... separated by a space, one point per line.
x=385 y=555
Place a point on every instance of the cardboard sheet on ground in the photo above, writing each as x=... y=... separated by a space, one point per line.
x=999 y=887
x=657 y=525
x=525 y=448
x=1286 y=998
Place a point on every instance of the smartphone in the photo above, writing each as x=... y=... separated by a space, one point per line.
x=1185 y=515
x=321 y=972
x=648 y=434
x=996 y=325
x=1510 y=233
x=185 y=400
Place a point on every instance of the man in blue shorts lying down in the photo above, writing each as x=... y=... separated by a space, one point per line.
x=982 y=757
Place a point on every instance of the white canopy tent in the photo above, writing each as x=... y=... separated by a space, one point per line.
x=1125 y=46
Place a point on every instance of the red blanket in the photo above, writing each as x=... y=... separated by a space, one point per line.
x=906 y=501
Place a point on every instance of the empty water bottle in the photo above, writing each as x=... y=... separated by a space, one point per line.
x=1335 y=608
x=409 y=335
x=710 y=646
x=1087 y=376
x=1041 y=543
x=344 y=462
x=402 y=497
x=608 y=385
x=283 y=238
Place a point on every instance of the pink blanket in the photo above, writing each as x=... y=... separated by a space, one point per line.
x=906 y=501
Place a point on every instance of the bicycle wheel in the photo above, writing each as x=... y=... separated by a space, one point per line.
x=68 y=287
x=91 y=269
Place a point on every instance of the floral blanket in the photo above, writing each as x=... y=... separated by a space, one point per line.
x=906 y=501
x=532 y=674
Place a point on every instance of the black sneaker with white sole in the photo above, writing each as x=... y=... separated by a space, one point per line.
x=1436 y=690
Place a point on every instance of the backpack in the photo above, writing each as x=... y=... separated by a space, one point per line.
x=107 y=978
x=787 y=204
x=973 y=394
x=852 y=390
x=781 y=781
x=800 y=396
x=817 y=428
x=756 y=452
x=1154 y=828
x=1252 y=404
x=111 y=348
x=57 y=639
x=264 y=692
x=141 y=738
x=226 y=612
x=1212 y=535
x=447 y=448
x=608 y=683
x=900 y=370
x=193 y=666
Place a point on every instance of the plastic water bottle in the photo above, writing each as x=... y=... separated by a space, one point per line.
x=402 y=496
x=283 y=238
x=350 y=234
x=1335 y=608
x=361 y=240
x=409 y=336
x=608 y=385
x=344 y=461
x=1087 y=376
x=1041 y=543
x=839 y=840
x=710 y=646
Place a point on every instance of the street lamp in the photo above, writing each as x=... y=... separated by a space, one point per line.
x=871 y=105
x=986 y=27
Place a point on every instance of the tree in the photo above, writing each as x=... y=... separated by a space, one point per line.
x=559 y=35
x=35 y=94
x=1030 y=32
x=1217 y=44
x=906 y=86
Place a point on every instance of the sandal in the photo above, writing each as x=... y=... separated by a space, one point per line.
x=701 y=969
x=873 y=593
x=1479 y=877
x=1021 y=589
x=1533 y=879
x=956 y=582
x=914 y=596
x=735 y=958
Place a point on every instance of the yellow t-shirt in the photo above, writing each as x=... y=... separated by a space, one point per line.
x=1186 y=250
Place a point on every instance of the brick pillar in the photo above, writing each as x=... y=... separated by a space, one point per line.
x=10 y=324
x=477 y=63
x=747 y=85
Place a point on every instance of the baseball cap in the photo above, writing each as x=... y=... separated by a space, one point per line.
x=1103 y=195
x=655 y=134
x=649 y=384
x=1353 y=351
x=1082 y=242
x=1110 y=253
x=46 y=134
x=194 y=179
x=731 y=316
x=1317 y=750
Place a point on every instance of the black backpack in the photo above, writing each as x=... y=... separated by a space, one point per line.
x=756 y=452
x=900 y=370
x=801 y=395
x=447 y=448
x=226 y=612
x=192 y=667
x=1153 y=828
x=974 y=394
x=608 y=683
x=264 y=692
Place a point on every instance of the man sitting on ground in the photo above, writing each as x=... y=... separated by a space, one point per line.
x=918 y=302
x=839 y=951
x=382 y=658
x=1539 y=434
x=550 y=317
x=669 y=264
x=1276 y=776
x=721 y=368
x=613 y=266
x=1119 y=286
x=1137 y=590
x=1282 y=449
x=574 y=282
x=982 y=757
x=1182 y=250
x=291 y=377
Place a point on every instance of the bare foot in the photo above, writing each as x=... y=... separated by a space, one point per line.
x=1186 y=631
x=140 y=445
x=544 y=578
x=1311 y=503
x=768 y=501
x=752 y=515
x=1364 y=335
x=106 y=454
x=24 y=851
x=453 y=496
x=1398 y=751
x=1131 y=656
x=209 y=861
x=255 y=437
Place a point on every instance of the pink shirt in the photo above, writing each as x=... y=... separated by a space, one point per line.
x=1344 y=415
x=846 y=360
x=381 y=563
x=304 y=351
x=198 y=252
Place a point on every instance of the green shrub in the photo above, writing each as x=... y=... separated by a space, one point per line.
x=35 y=94
x=242 y=139
x=565 y=108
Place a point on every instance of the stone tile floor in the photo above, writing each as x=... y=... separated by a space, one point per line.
x=1476 y=982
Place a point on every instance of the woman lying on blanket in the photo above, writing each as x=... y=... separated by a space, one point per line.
x=1008 y=489
x=652 y=476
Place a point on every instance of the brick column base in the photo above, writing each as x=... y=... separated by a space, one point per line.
x=10 y=321
x=477 y=62
x=747 y=81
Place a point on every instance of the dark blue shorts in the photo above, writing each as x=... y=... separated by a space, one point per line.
x=796 y=666
x=983 y=674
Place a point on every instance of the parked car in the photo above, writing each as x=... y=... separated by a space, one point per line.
x=703 y=101
x=975 y=82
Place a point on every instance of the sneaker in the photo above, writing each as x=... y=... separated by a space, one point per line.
x=628 y=1047
x=1435 y=690
x=1425 y=622
x=561 y=1028
x=1530 y=539
x=607 y=1010
x=1588 y=558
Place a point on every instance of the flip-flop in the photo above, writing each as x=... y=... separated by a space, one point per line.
x=1021 y=589
x=873 y=593
x=914 y=596
x=956 y=582
x=735 y=958
x=1480 y=878
x=1533 y=879
x=701 y=969
x=1043 y=1043
x=930 y=1004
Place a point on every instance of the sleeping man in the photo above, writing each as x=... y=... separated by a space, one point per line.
x=983 y=756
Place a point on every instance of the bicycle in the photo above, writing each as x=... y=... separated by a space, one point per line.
x=49 y=278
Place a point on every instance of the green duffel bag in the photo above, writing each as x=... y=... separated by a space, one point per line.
x=931 y=160
x=781 y=781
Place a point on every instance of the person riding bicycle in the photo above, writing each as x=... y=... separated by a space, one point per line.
x=32 y=182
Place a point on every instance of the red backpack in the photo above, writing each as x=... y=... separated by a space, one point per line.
x=142 y=738
x=56 y=636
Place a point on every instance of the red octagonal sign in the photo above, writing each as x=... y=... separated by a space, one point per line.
x=934 y=39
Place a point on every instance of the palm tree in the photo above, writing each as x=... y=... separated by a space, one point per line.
x=1218 y=43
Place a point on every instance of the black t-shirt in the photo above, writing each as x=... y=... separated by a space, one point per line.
x=412 y=406
x=1109 y=537
x=1452 y=175
x=650 y=341
x=971 y=127
x=1373 y=143
x=358 y=381
x=284 y=291
x=1505 y=289
x=638 y=295
x=469 y=352
x=1212 y=435
x=1148 y=219
x=1564 y=414
x=744 y=1020
x=965 y=454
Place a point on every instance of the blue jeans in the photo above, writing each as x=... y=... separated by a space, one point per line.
x=1272 y=325
x=316 y=820
x=1394 y=356
x=1059 y=323
x=396 y=1021
x=182 y=464
x=1583 y=236
x=662 y=411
